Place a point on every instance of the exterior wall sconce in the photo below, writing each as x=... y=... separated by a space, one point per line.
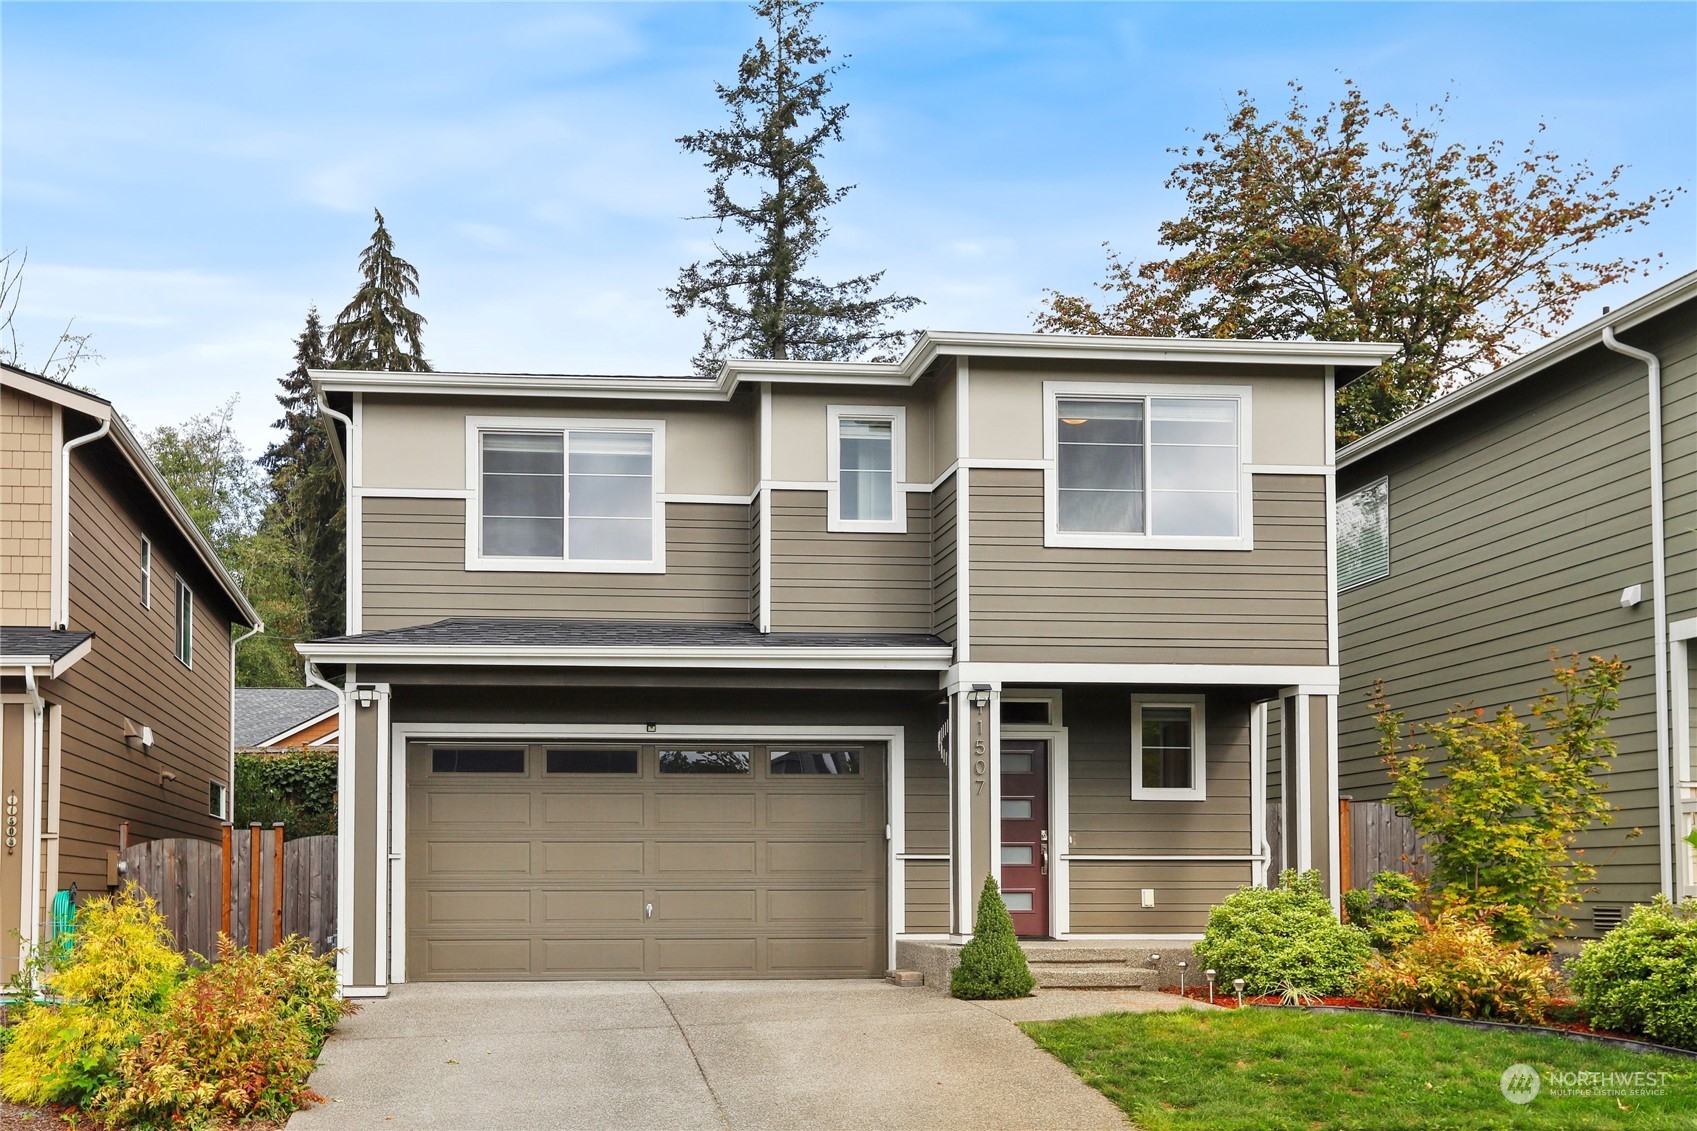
x=365 y=696
x=980 y=695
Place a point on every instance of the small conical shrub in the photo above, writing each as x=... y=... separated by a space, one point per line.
x=992 y=966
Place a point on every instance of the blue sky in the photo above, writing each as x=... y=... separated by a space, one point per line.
x=187 y=178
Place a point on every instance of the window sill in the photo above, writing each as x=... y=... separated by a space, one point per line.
x=1059 y=539
x=557 y=565
x=835 y=525
x=1144 y=794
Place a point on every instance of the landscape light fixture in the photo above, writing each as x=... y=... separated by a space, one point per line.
x=1237 y=984
x=1183 y=966
x=1210 y=974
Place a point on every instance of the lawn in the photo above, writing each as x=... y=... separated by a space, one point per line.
x=1272 y=1068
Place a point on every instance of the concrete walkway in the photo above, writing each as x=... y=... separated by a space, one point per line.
x=609 y=1055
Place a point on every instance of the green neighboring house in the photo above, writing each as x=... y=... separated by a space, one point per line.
x=1522 y=515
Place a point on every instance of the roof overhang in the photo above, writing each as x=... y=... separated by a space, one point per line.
x=926 y=658
x=926 y=350
x=16 y=665
x=1657 y=302
x=296 y=729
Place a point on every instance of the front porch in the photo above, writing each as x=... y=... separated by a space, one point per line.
x=1071 y=964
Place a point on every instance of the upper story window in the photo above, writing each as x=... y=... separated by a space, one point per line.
x=868 y=454
x=146 y=574
x=1147 y=466
x=185 y=623
x=566 y=495
x=1364 y=535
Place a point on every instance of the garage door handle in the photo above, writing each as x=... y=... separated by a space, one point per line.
x=648 y=910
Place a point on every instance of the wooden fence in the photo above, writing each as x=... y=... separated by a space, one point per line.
x=1373 y=838
x=186 y=878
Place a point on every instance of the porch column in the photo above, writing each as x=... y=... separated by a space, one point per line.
x=973 y=788
x=1313 y=731
x=362 y=817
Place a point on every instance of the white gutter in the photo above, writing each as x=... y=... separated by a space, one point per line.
x=1665 y=819
x=347 y=422
x=64 y=499
x=889 y=659
x=230 y=792
x=31 y=919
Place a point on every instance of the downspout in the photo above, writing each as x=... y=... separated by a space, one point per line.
x=64 y=618
x=1667 y=825
x=347 y=422
x=342 y=462
x=32 y=809
x=231 y=793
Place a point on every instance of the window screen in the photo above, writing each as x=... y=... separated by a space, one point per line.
x=477 y=760
x=1364 y=535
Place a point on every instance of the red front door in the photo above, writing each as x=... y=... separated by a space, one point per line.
x=1025 y=834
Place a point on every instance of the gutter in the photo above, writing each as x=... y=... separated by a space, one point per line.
x=1666 y=819
x=230 y=794
x=347 y=422
x=64 y=611
x=898 y=659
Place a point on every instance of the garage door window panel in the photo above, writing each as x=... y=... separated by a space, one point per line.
x=594 y=760
x=699 y=761
x=839 y=761
x=478 y=760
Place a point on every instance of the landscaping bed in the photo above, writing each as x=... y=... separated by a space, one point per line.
x=1276 y=1068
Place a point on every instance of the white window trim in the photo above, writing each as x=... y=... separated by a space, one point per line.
x=146 y=572
x=223 y=810
x=1054 y=391
x=474 y=556
x=1198 y=748
x=1385 y=481
x=897 y=416
x=182 y=626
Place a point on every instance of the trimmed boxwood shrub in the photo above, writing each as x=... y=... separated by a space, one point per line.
x=1280 y=938
x=992 y=966
x=1456 y=966
x=1641 y=977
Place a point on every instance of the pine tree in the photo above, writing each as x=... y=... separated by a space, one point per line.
x=376 y=330
x=992 y=966
x=760 y=302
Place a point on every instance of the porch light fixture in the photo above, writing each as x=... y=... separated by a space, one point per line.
x=365 y=696
x=980 y=696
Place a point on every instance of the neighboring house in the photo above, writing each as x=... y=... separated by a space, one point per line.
x=758 y=674
x=270 y=719
x=116 y=661
x=1523 y=515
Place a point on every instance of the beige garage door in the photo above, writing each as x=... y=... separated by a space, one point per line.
x=556 y=860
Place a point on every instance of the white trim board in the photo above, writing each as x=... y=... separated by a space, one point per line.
x=928 y=658
x=1315 y=679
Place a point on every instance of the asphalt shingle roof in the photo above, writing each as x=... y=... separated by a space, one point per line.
x=49 y=642
x=547 y=632
x=265 y=712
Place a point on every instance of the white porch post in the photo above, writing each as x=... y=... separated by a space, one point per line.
x=972 y=793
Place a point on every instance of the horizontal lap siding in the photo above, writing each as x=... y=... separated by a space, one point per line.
x=943 y=583
x=838 y=581
x=927 y=897
x=132 y=672
x=1105 y=896
x=414 y=571
x=1036 y=603
x=1514 y=527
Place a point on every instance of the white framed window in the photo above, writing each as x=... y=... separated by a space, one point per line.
x=1169 y=752
x=185 y=623
x=218 y=801
x=867 y=468
x=1156 y=466
x=565 y=495
x=1364 y=535
x=146 y=573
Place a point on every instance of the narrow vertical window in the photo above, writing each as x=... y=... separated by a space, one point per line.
x=185 y=623
x=146 y=574
x=218 y=803
x=1364 y=535
x=867 y=451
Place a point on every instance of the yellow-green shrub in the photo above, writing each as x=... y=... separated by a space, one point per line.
x=1456 y=966
x=116 y=980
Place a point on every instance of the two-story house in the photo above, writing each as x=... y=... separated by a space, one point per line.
x=1550 y=506
x=761 y=673
x=116 y=659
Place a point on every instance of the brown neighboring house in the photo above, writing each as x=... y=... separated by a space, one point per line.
x=761 y=674
x=270 y=720
x=116 y=654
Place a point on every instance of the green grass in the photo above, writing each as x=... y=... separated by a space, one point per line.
x=1268 y=1068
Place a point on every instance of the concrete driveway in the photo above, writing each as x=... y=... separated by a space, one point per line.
x=608 y=1055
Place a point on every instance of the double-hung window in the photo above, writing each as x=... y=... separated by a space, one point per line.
x=1168 y=749
x=566 y=495
x=1158 y=467
x=868 y=451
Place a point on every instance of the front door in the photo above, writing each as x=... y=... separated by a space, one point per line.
x=1025 y=834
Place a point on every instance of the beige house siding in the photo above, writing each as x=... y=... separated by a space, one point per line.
x=754 y=567
x=826 y=581
x=1514 y=526
x=132 y=673
x=926 y=786
x=801 y=436
x=26 y=509
x=1036 y=603
x=414 y=571
x=944 y=584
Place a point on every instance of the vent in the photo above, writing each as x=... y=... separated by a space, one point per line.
x=1606 y=918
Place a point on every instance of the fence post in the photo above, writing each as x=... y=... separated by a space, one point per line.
x=277 y=883
x=224 y=905
x=254 y=858
x=1345 y=846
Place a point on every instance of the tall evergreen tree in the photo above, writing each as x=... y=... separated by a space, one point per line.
x=376 y=330
x=759 y=301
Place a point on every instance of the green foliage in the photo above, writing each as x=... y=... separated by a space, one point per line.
x=115 y=982
x=1456 y=966
x=1385 y=909
x=297 y=788
x=376 y=330
x=237 y=1042
x=203 y=463
x=1503 y=811
x=992 y=966
x=1283 y=936
x=1641 y=977
x=760 y=302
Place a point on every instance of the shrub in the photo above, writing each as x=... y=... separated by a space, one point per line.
x=992 y=966
x=1641 y=977
x=120 y=971
x=1286 y=936
x=297 y=787
x=1384 y=909
x=1456 y=966
x=237 y=1042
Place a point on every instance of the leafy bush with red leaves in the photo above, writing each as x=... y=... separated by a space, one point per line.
x=1456 y=966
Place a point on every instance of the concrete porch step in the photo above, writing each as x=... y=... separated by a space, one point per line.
x=1091 y=975
x=1071 y=952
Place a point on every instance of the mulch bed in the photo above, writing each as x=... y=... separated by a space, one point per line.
x=15 y=1118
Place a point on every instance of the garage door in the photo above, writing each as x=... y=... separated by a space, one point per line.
x=556 y=860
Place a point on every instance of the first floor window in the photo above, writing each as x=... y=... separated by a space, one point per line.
x=578 y=495
x=1364 y=535
x=1167 y=750
x=185 y=623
